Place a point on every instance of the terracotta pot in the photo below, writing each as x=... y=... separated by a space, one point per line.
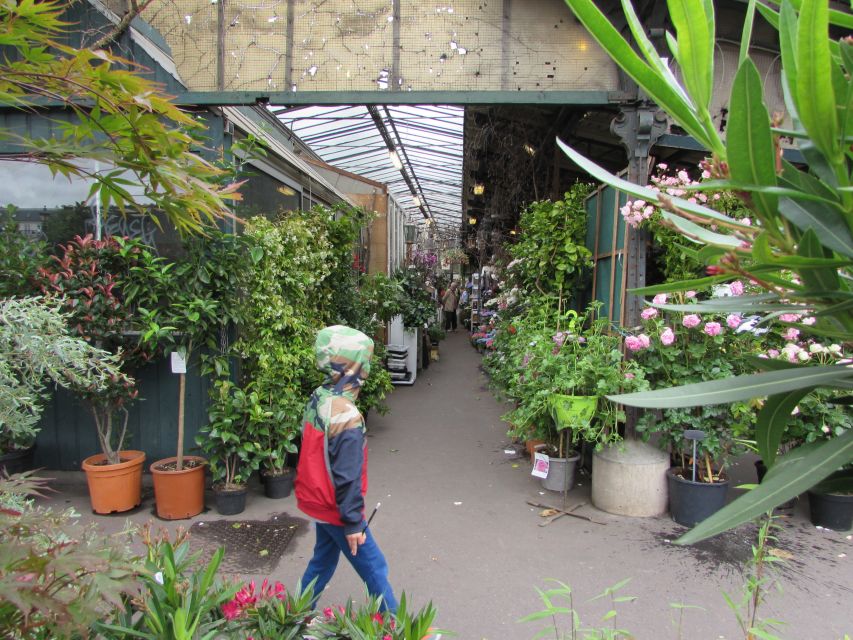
x=115 y=487
x=531 y=446
x=179 y=494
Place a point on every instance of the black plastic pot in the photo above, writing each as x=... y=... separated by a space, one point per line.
x=831 y=510
x=761 y=471
x=278 y=485
x=230 y=502
x=17 y=461
x=692 y=502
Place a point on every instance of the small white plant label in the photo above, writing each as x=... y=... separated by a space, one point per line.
x=179 y=365
x=541 y=462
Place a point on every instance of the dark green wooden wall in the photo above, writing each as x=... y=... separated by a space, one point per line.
x=605 y=238
x=68 y=430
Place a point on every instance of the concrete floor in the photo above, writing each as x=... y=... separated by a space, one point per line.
x=456 y=529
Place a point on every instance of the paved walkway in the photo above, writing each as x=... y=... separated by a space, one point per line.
x=456 y=529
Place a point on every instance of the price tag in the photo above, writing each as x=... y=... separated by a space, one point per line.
x=541 y=464
x=179 y=365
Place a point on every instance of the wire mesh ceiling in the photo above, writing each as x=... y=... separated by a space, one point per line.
x=414 y=149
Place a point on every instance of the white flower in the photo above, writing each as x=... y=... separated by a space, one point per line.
x=816 y=348
x=158 y=577
x=835 y=349
x=803 y=355
x=825 y=429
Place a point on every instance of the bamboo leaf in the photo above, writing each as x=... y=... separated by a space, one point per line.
x=773 y=420
x=787 y=482
x=736 y=388
x=814 y=90
x=827 y=222
x=749 y=142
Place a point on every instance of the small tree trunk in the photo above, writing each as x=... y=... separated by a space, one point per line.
x=182 y=386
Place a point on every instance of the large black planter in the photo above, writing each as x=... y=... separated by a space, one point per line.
x=278 y=486
x=692 y=502
x=17 y=461
x=761 y=471
x=230 y=502
x=831 y=510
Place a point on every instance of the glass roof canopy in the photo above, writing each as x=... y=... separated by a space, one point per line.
x=414 y=149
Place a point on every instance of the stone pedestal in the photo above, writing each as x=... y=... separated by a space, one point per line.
x=629 y=479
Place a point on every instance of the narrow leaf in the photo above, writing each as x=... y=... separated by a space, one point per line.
x=736 y=388
x=695 y=48
x=827 y=222
x=814 y=90
x=825 y=279
x=658 y=88
x=773 y=420
x=749 y=142
x=789 y=481
x=746 y=36
x=602 y=175
x=698 y=233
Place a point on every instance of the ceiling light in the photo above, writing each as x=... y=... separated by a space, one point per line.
x=395 y=159
x=472 y=220
x=479 y=189
x=512 y=232
x=529 y=149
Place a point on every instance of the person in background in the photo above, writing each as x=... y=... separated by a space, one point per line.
x=331 y=478
x=450 y=303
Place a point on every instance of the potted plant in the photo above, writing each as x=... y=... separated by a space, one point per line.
x=36 y=346
x=201 y=302
x=231 y=455
x=104 y=298
x=680 y=349
x=831 y=501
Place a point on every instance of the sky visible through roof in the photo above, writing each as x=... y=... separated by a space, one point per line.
x=427 y=140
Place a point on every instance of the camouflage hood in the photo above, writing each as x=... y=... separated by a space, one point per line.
x=343 y=354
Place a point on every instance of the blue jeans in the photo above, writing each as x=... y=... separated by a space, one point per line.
x=369 y=563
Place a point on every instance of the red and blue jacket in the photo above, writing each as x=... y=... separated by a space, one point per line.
x=331 y=479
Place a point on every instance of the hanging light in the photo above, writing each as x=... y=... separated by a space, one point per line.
x=479 y=189
x=529 y=149
x=472 y=220
x=395 y=159
x=512 y=232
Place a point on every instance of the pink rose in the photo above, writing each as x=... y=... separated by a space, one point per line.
x=633 y=343
x=791 y=334
x=667 y=336
x=649 y=313
x=659 y=298
x=712 y=328
x=644 y=340
x=691 y=320
x=810 y=320
x=790 y=317
x=733 y=320
x=736 y=288
x=629 y=376
x=690 y=294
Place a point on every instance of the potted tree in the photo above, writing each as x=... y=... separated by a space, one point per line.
x=202 y=300
x=36 y=346
x=92 y=279
x=232 y=456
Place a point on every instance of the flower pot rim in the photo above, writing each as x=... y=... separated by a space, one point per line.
x=286 y=471
x=155 y=470
x=132 y=458
x=232 y=488
x=672 y=471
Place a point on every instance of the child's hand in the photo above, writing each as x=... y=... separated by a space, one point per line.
x=354 y=540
